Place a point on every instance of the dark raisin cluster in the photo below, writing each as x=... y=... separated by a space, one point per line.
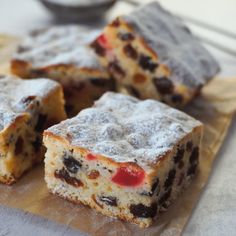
x=65 y=176
x=142 y=211
x=71 y=164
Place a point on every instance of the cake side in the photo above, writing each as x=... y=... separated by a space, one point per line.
x=115 y=182
x=26 y=108
x=153 y=55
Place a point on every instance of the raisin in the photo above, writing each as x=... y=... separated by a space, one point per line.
x=142 y=211
x=41 y=123
x=153 y=189
x=181 y=164
x=94 y=174
x=146 y=63
x=189 y=146
x=37 y=143
x=64 y=175
x=177 y=98
x=111 y=201
x=170 y=179
x=98 y=49
x=37 y=73
x=71 y=164
x=115 y=23
x=165 y=197
x=133 y=91
x=193 y=159
x=115 y=68
x=28 y=100
x=139 y=78
x=163 y=85
x=155 y=184
x=19 y=145
x=69 y=108
x=79 y=86
x=179 y=155
x=130 y=51
x=192 y=170
x=98 y=82
x=126 y=36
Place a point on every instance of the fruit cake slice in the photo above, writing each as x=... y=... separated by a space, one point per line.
x=152 y=54
x=62 y=54
x=124 y=157
x=27 y=107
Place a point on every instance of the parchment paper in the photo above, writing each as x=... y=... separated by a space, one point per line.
x=215 y=108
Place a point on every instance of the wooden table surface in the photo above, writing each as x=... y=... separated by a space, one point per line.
x=215 y=213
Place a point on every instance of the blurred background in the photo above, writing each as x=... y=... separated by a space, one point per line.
x=20 y=17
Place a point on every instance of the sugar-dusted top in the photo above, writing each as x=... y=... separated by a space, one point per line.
x=189 y=61
x=13 y=91
x=126 y=129
x=66 y=45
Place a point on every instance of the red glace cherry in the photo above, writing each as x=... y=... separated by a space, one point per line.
x=90 y=157
x=102 y=40
x=127 y=177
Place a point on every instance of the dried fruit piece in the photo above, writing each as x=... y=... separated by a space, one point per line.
x=98 y=49
x=170 y=179
x=165 y=197
x=155 y=184
x=64 y=175
x=177 y=98
x=98 y=82
x=130 y=51
x=28 y=100
x=163 y=85
x=139 y=78
x=91 y=157
x=19 y=145
x=115 y=23
x=181 y=164
x=189 y=146
x=128 y=177
x=126 y=36
x=94 y=174
x=37 y=143
x=192 y=170
x=115 y=68
x=193 y=159
x=133 y=91
x=71 y=164
x=41 y=123
x=143 y=211
x=102 y=40
x=179 y=155
x=146 y=63
x=111 y=201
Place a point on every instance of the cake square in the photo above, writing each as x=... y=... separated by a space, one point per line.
x=124 y=157
x=27 y=107
x=152 y=54
x=62 y=53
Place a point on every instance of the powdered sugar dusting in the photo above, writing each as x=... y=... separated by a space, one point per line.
x=126 y=129
x=190 y=63
x=13 y=90
x=60 y=45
